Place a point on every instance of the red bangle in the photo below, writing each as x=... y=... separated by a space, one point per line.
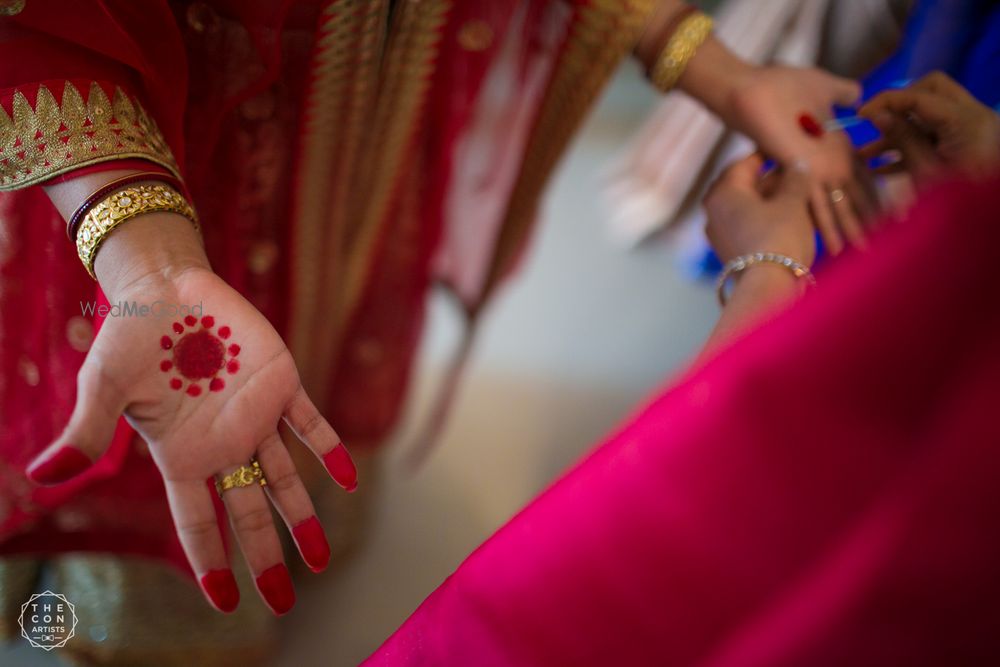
x=74 y=222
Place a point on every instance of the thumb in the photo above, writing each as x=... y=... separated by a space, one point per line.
x=88 y=433
x=744 y=173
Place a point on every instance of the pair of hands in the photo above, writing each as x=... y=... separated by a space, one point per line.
x=934 y=127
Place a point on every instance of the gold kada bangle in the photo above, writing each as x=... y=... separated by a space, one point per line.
x=691 y=33
x=122 y=206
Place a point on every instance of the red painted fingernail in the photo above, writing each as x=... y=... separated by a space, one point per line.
x=66 y=463
x=312 y=543
x=220 y=586
x=276 y=587
x=340 y=466
x=810 y=125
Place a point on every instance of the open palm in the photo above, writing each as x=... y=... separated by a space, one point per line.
x=206 y=380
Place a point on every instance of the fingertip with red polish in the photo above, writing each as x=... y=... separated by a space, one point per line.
x=65 y=464
x=221 y=589
x=312 y=543
x=341 y=467
x=275 y=586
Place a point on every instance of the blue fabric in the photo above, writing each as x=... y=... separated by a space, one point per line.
x=958 y=37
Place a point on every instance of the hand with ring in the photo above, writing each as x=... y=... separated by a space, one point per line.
x=207 y=389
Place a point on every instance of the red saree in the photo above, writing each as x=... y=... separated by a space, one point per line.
x=823 y=492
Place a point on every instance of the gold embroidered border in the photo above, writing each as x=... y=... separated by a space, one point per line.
x=601 y=34
x=364 y=111
x=53 y=138
x=338 y=104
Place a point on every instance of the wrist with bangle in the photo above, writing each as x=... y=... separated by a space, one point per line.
x=119 y=201
x=739 y=264
x=676 y=41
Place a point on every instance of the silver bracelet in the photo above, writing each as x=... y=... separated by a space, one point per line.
x=737 y=264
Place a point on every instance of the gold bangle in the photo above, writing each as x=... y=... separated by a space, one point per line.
x=122 y=206
x=683 y=44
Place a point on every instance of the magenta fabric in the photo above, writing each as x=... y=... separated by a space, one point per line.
x=826 y=491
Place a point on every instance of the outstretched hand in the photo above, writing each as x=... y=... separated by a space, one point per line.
x=207 y=390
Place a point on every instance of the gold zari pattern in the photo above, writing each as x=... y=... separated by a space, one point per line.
x=121 y=207
x=242 y=476
x=52 y=138
x=683 y=44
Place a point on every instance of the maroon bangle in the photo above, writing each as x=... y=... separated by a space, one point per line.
x=77 y=218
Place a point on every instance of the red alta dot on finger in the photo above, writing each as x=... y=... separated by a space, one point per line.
x=193 y=390
x=810 y=125
x=166 y=343
x=234 y=350
x=178 y=327
x=217 y=384
x=232 y=366
x=176 y=384
x=190 y=320
x=166 y=365
x=208 y=321
x=224 y=332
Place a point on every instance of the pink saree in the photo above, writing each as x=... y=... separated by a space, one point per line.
x=823 y=492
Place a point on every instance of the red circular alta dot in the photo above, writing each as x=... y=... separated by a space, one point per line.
x=190 y=320
x=234 y=350
x=176 y=384
x=217 y=384
x=224 y=332
x=233 y=366
x=810 y=125
x=166 y=343
x=178 y=327
x=166 y=365
x=193 y=390
x=208 y=321
x=199 y=355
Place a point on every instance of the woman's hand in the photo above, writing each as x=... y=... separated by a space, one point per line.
x=936 y=126
x=768 y=104
x=749 y=212
x=207 y=389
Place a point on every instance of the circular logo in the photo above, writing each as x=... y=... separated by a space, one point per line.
x=48 y=620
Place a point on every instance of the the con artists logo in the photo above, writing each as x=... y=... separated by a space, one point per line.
x=48 y=620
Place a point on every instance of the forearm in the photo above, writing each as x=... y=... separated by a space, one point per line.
x=714 y=71
x=756 y=291
x=152 y=246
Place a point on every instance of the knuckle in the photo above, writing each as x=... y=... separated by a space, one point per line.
x=198 y=529
x=253 y=521
x=284 y=482
x=313 y=426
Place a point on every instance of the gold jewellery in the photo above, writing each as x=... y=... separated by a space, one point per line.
x=242 y=476
x=691 y=33
x=122 y=206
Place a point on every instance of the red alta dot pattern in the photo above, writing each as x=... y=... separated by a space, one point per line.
x=199 y=355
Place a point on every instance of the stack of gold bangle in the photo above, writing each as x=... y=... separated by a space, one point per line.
x=690 y=34
x=122 y=206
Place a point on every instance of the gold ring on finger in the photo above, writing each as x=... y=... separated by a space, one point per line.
x=837 y=195
x=247 y=475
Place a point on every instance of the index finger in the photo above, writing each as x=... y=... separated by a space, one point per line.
x=928 y=107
